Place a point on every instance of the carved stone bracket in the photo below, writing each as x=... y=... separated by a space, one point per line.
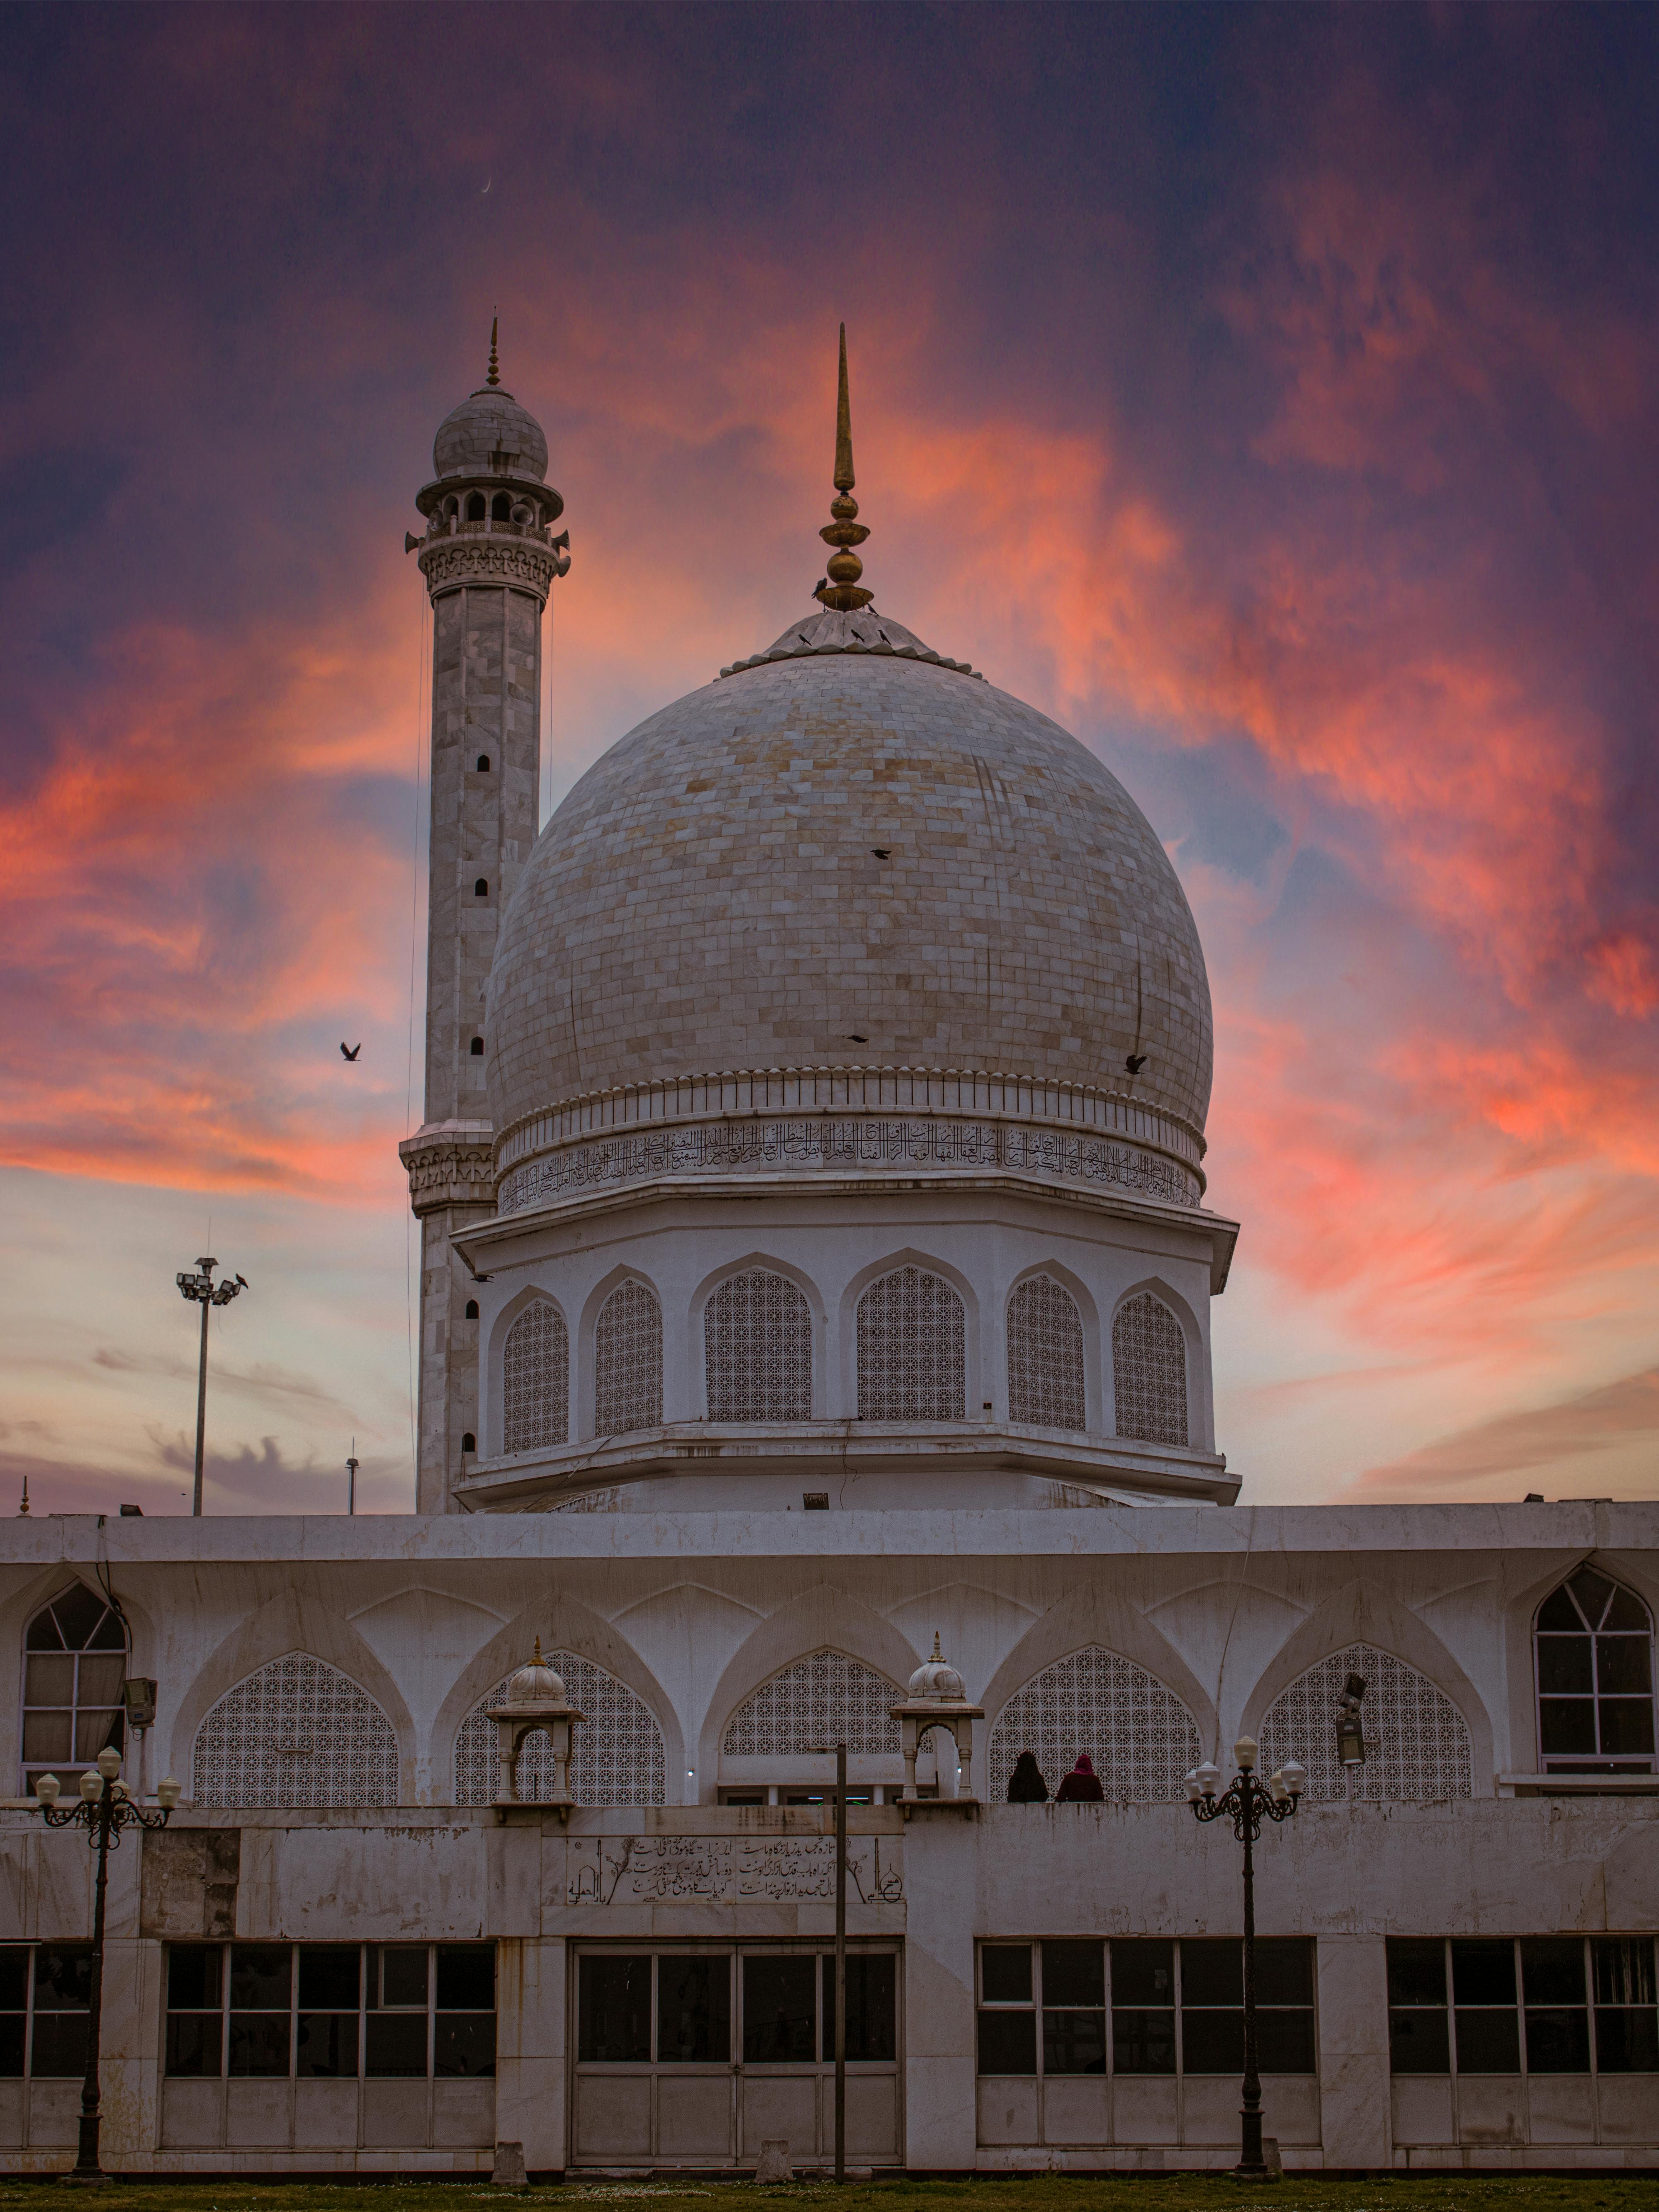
x=450 y=1164
x=449 y=563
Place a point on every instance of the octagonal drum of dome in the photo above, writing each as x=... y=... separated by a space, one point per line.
x=850 y=877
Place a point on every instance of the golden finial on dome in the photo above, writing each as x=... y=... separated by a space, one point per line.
x=841 y=588
x=495 y=375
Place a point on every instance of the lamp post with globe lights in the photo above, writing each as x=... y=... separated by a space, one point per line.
x=106 y=1808
x=200 y=1289
x=1249 y=1802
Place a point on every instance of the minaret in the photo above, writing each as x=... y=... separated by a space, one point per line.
x=489 y=557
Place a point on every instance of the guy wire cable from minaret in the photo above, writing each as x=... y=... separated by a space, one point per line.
x=409 y=1065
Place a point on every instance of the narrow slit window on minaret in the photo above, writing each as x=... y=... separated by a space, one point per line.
x=477 y=1048
x=472 y=1309
x=483 y=764
x=501 y=507
x=481 y=889
x=474 y=508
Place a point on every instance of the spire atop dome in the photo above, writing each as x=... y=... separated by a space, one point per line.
x=495 y=375
x=840 y=589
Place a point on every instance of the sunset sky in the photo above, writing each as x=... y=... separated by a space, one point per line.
x=1268 y=394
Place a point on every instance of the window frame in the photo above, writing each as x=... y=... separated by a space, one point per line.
x=736 y=1950
x=1521 y=2010
x=72 y=1761
x=370 y=1978
x=1178 y=2007
x=1598 y=1761
x=31 y=2008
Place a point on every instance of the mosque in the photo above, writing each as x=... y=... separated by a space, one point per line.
x=815 y=1354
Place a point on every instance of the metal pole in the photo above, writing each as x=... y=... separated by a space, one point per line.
x=841 y=1962
x=86 y=2158
x=351 y=1480
x=1250 y=2158
x=201 y=1414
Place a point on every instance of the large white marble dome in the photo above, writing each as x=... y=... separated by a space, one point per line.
x=847 y=854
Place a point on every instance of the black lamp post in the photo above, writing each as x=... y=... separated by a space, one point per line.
x=1249 y=1802
x=107 y=1807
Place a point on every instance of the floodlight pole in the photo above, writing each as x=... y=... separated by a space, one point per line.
x=203 y=1290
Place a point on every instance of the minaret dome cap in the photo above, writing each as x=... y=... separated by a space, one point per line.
x=490 y=434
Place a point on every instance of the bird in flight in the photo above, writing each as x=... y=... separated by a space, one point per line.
x=1135 y=1061
x=350 y=1052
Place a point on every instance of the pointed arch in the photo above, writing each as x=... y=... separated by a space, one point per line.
x=296 y=1731
x=911 y=1326
x=563 y=1623
x=1417 y=1743
x=1089 y=1615
x=75 y=1664
x=821 y=1618
x=1593 y=1672
x=536 y=1377
x=293 y=1621
x=1152 y=1369
x=617 y=1752
x=1047 y=1354
x=1359 y=1614
x=1141 y=1738
x=825 y=1696
x=628 y=1359
x=758 y=1348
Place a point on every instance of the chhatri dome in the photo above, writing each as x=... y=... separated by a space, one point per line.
x=850 y=853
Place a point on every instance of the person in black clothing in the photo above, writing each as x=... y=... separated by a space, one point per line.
x=1025 y=1785
x=1082 y=1785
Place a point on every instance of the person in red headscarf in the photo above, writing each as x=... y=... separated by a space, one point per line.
x=1082 y=1785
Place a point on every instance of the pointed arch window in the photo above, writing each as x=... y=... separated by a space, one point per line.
x=1417 y=1742
x=826 y=1698
x=1593 y=1641
x=1149 y=1371
x=913 y=1358
x=1046 y=1385
x=536 y=1380
x=296 y=1732
x=628 y=1361
x=757 y=1349
x=616 y=1755
x=1141 y=1737
x=75 y=1662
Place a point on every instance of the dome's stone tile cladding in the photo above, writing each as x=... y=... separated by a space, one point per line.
x=490 y=434
x=709 y=898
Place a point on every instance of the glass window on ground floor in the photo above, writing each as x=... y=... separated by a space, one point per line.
x=1140 y=2039
x=45 y=1991
x=380 y=2011
x=1536 y=2040
x=694 y=2053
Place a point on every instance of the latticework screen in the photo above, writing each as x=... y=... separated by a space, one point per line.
x=1417 y=1743
x=616 y=1750
x=1141 y=1737
x=536 y=1380
x=1045 y=1356
x=825 y=1700
x=1149 y=1371
x=912 y=1349
x=757 y=1349
x=297 y=1732
x=628 y=1361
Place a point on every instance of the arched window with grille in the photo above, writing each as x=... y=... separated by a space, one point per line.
x=825 y=1699
x=628 y=1360
x=1046 y=1385
x=616 y=1755
x=536 y=1380
x=1417 y=1742
x=295 y=1732
x=757 y=1349
x=1593 y=1641
x=74 y=1662
x=1149 y=1371
x=913 y=1355
x=1141 y=1737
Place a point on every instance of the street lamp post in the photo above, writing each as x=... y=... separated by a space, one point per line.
x=107 y=1807
x=1249 y=1802
x=202 y=1290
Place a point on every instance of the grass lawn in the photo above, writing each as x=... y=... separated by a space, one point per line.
x=1041 y=2193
